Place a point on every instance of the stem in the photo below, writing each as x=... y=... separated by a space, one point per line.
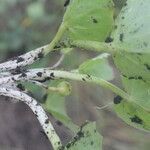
x=94 y=45
x=38 y=111
x=56 y=39
x=52 y=74
x=91 y=79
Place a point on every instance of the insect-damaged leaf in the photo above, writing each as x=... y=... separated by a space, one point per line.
x=89 y=19
x=87 y=138
x=98 y=67
x=132 y=31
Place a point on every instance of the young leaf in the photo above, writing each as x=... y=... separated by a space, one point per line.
x=55 y=104
x=87 y=138
x=132 y=31
x=89 y=20
x=98 y=67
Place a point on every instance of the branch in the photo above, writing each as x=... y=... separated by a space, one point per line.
x=23 y=60
x=38 y=111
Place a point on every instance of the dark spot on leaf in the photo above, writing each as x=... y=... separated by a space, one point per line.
x=109 y=40
x=130 y=78
x=92 y=142
x=140 y=77
x=68 y=145
x=121 y=37
x=115 y=27
x=124 y=75
x=136 y=119
x=80 y=134
x=117 y=99
x=66 y=3
x=125 y=4
x=83 y=79
x=147 y=66
x=94 y=20
x=139 y=54
x=57 y=46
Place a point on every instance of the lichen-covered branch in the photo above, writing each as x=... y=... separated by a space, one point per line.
x=38 y=111
x=23 y=60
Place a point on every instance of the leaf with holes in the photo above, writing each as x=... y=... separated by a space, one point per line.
x=89 y=20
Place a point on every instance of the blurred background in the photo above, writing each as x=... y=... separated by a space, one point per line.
x=28 y=24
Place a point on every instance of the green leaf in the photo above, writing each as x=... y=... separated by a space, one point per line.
x=89 y=20
x=132 y=31
x=139 y=91
x=133 y=65
x=87 y=138
x=133 y=115
x=55 y=104
x=98 y=67
x=136 y=81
